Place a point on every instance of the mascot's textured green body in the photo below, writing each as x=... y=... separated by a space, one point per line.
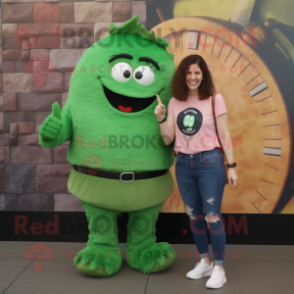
x=110 y=122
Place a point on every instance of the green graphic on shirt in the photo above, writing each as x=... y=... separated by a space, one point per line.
x=189 y=120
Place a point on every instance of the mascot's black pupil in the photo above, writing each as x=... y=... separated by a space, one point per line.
x=138 y=75
x=127 y=73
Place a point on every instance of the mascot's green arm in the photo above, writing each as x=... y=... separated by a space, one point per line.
x=64 y=134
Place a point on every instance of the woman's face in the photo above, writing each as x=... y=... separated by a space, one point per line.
x=194 y=77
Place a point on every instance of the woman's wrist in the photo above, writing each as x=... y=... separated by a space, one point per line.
x=161 y=120
x=231 y=165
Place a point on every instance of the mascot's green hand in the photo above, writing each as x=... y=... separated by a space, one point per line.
x=52 y=125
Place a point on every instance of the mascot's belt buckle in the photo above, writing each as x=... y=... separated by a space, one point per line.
x=127 y=173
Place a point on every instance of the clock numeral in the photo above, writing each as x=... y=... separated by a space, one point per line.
x=272 y=151
x=252 y=79
x=261 y=195
x=268 y=182
x=258 y=89
x=213 y=45
x=271 y=167
x=237 y=60
x=220 y=52
x=263 y=99
x=255 y=207
x=193 y=40
x=270 y=112
x=244 y=69
x=229 y=54
x=269 y=126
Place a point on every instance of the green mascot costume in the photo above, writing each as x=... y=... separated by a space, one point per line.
x=120 y=162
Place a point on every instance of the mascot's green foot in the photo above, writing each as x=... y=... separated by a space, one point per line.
x=151 y=258
x=96 y=262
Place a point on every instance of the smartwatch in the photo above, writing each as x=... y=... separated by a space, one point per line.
x=234 y=164
x=162 y=121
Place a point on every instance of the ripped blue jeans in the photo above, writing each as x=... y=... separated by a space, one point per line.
x=201 y=181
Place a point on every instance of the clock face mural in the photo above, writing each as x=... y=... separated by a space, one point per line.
x=254 y=80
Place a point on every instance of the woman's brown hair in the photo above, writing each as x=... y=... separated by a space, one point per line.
x=179 y=85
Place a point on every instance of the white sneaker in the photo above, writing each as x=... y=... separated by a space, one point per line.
x=217 y=279
x=202 y=269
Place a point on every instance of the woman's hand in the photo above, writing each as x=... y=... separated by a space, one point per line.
x=160 y=110
x=232 y=176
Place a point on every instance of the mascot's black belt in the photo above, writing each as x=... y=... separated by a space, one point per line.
x=124 y=176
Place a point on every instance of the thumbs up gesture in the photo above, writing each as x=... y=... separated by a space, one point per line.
x=52 y=125
x=160 y=109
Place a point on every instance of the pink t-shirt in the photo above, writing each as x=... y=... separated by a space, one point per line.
x=194 y=123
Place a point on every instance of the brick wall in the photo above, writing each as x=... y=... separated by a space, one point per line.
x=41 y=41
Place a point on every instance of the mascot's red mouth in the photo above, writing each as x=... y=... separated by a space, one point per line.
x=127 y=104
x=125 y=109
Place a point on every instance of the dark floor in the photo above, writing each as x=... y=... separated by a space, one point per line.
x=249 y=269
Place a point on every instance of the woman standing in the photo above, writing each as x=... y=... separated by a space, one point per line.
x=200 y=168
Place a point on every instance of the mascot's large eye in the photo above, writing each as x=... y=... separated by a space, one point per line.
x=144 y=75
x=121 y=72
